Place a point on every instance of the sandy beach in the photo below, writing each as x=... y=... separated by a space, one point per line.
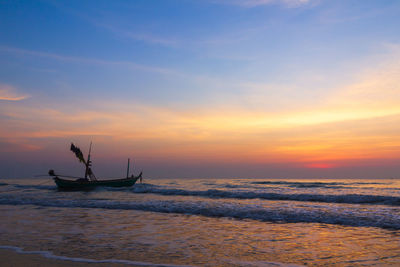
x=10 y=258
x=203 y=222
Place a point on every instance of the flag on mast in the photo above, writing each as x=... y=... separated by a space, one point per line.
x=78 y=153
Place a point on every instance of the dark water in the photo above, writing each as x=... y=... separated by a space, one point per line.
x=209 y=222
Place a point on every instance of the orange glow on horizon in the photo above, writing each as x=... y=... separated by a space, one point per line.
x=320 y=165
x=219 y=138
x=348 y=127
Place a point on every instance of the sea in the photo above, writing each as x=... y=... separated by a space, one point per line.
x=207 y=222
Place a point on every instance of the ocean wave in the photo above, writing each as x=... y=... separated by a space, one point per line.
x=215 y=193
x=314 y=184
x=35 y=186
x=341 y=215
x=50 y=255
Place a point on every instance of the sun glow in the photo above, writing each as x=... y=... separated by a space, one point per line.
x=320 y=165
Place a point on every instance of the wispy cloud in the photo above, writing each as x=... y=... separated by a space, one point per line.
x=84 y=60
x=8 y=92
x=347 y=15
x=119 y=31
x=358 y=121
x=135 y=35
x=181 y=74
x=374 y=88
x=162 y=132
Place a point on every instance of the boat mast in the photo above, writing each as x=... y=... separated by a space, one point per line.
x=88 y=162
x=127 y=170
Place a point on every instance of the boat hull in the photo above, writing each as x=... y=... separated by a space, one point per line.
x=81 y=184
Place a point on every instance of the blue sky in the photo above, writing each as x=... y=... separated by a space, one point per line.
x=188 y=76
x=202 y=46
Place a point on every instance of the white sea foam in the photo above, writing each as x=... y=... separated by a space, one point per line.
x=167 y=220
x=265 y=264
x=383 y=217
x=215 y=193
x=50 y=255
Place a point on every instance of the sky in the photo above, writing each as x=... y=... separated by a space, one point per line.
x=201 y=88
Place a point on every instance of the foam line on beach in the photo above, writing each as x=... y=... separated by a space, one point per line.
x=264 y=264
x=215 y=193
x=50 y=255
x=316 y=184
x=348 y=216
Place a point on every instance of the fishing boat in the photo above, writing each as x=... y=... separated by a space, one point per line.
x=90 y=181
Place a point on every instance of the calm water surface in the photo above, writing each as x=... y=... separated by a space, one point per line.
x=221 y=222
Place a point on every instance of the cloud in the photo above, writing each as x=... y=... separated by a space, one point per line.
x=8 y=92
x=101 y=23
x=376 y=88
x=143 y=37
x=358 y=121
x=83 y=60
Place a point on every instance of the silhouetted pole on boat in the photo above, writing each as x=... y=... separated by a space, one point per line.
x=88 y=163
x=127 y=170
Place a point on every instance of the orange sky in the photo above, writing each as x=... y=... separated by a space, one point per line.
x=355 y=125
x=226 y=106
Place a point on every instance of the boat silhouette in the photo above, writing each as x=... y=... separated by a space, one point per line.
x=90 y=181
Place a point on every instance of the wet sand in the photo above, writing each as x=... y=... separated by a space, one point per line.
x=10 y=258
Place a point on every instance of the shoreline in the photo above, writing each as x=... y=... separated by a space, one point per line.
x=16 y=257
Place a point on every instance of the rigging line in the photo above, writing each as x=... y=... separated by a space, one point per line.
x=43 y=182
x=17 y=189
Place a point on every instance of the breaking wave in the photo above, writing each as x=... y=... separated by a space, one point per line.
x=347 y=216
x=314 y=184
x=43 y=187
x=215 y=193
